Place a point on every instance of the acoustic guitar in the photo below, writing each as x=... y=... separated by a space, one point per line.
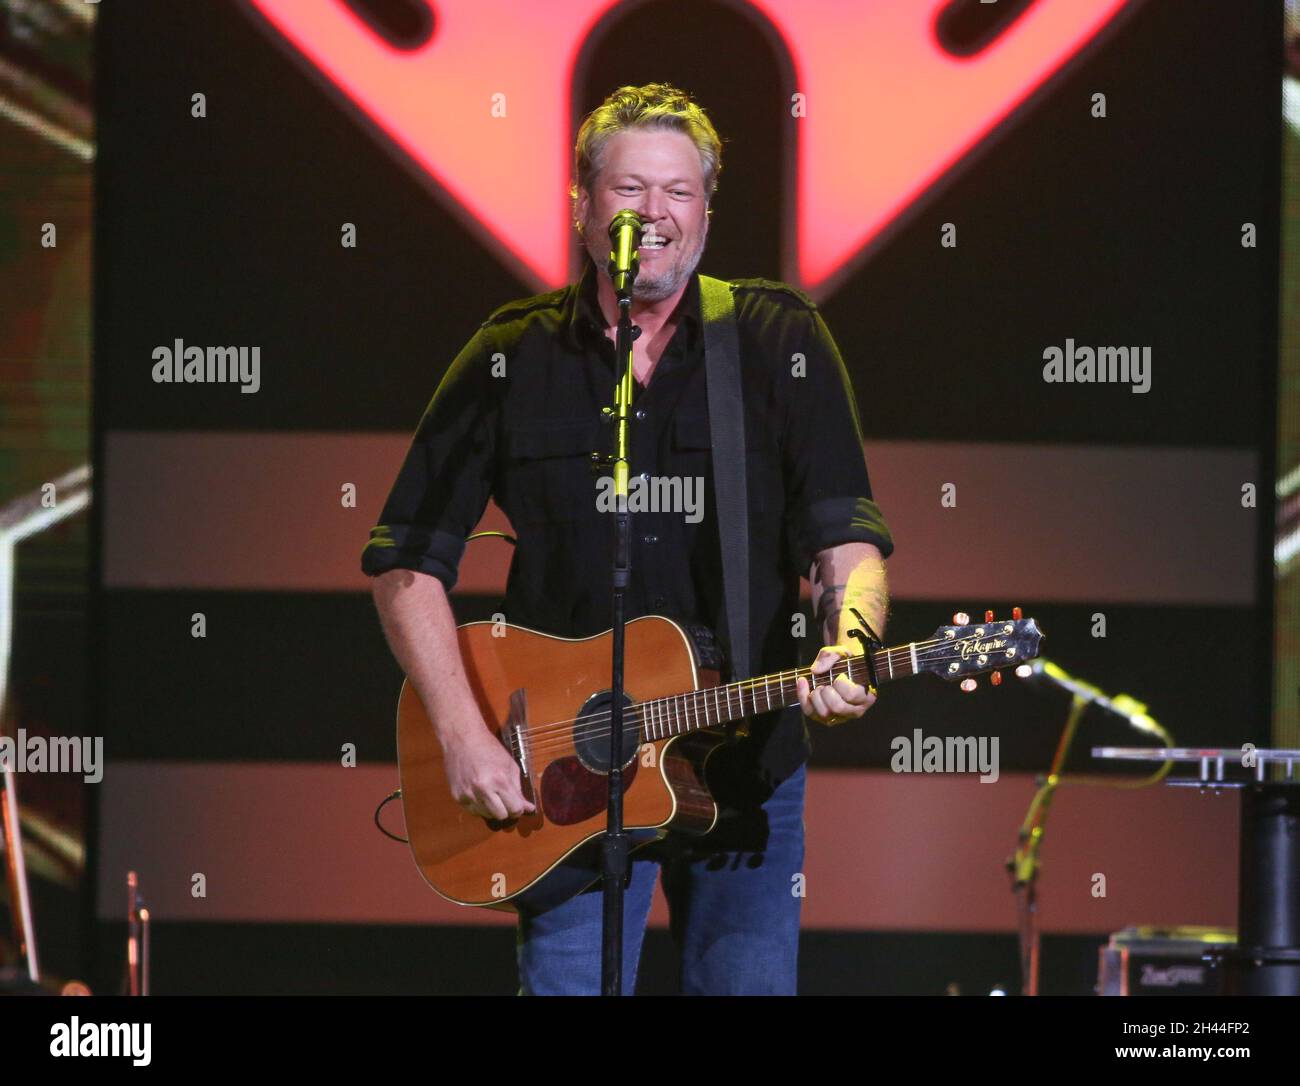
x=547 y=700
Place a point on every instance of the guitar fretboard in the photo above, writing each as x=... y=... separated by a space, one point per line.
x=710 y=707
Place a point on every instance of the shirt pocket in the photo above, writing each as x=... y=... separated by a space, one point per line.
x=693 y=445
x=548 y=471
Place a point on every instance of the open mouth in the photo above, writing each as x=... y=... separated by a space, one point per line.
x=654 y=245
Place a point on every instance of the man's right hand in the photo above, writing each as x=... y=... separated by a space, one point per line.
x=484 y=778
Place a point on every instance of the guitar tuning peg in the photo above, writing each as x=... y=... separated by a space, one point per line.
x=988 y=616
x=961 y=618
x=1016 y=614
x=996 y=678
x=967 y=685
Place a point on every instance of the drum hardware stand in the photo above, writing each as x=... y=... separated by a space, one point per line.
x=1266 y=959
x=1023 y=864
x=137 y=939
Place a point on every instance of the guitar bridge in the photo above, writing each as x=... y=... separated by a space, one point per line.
x=514 y=734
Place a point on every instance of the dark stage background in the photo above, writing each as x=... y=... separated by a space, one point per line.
x=1073 y=500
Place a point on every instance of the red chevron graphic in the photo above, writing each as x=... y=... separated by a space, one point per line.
x=483 y=107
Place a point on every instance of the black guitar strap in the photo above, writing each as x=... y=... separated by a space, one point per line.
x=727 y=426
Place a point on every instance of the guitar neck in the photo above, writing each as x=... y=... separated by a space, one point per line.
x=716 y=705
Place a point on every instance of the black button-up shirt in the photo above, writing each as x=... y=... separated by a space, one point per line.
x=517 y=417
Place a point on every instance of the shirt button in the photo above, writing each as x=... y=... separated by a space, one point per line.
x=645 y=476
x=649 y=539
x=660 y=603
x=640 y=413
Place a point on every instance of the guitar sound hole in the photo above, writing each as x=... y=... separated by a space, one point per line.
x=592 y=729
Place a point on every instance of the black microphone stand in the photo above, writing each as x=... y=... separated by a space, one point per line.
x=615 y=852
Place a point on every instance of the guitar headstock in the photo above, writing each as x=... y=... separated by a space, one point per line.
x=966 y=649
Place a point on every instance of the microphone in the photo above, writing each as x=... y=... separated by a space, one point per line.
x=1043 y=671
x=624 y=260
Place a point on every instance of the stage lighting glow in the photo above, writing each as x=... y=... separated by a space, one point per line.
x=884 y=110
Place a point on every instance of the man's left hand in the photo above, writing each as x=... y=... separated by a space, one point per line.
x=842 y=701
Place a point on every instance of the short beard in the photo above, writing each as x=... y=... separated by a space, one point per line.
x=644 y=289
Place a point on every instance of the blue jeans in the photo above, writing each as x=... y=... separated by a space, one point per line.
x=734 y=915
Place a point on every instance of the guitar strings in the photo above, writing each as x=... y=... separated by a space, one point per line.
x=605 y=716
x=557 y=734
x=634 y=713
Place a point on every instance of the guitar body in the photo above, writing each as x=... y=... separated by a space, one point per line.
x=544 y=697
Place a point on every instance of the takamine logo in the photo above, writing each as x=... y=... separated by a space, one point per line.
x=884 y=99
x=1171 y=976
x=973 y=647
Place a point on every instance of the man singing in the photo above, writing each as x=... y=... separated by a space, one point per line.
x=516 y=418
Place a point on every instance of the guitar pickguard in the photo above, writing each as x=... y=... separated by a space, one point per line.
x=572 y=793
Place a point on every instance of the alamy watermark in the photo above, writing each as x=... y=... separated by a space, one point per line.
x=946 y=754
x=182 y=365
x=122 y=1040
x=656 y=494
x=82 y=754
x=1101 y=365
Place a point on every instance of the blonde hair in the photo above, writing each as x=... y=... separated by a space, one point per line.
x=654 y=106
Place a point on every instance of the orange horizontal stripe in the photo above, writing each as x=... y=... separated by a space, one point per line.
x=294 y=842
x=1046 y=522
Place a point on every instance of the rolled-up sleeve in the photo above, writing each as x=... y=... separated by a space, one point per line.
x=828 y=493
x=445 y=481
